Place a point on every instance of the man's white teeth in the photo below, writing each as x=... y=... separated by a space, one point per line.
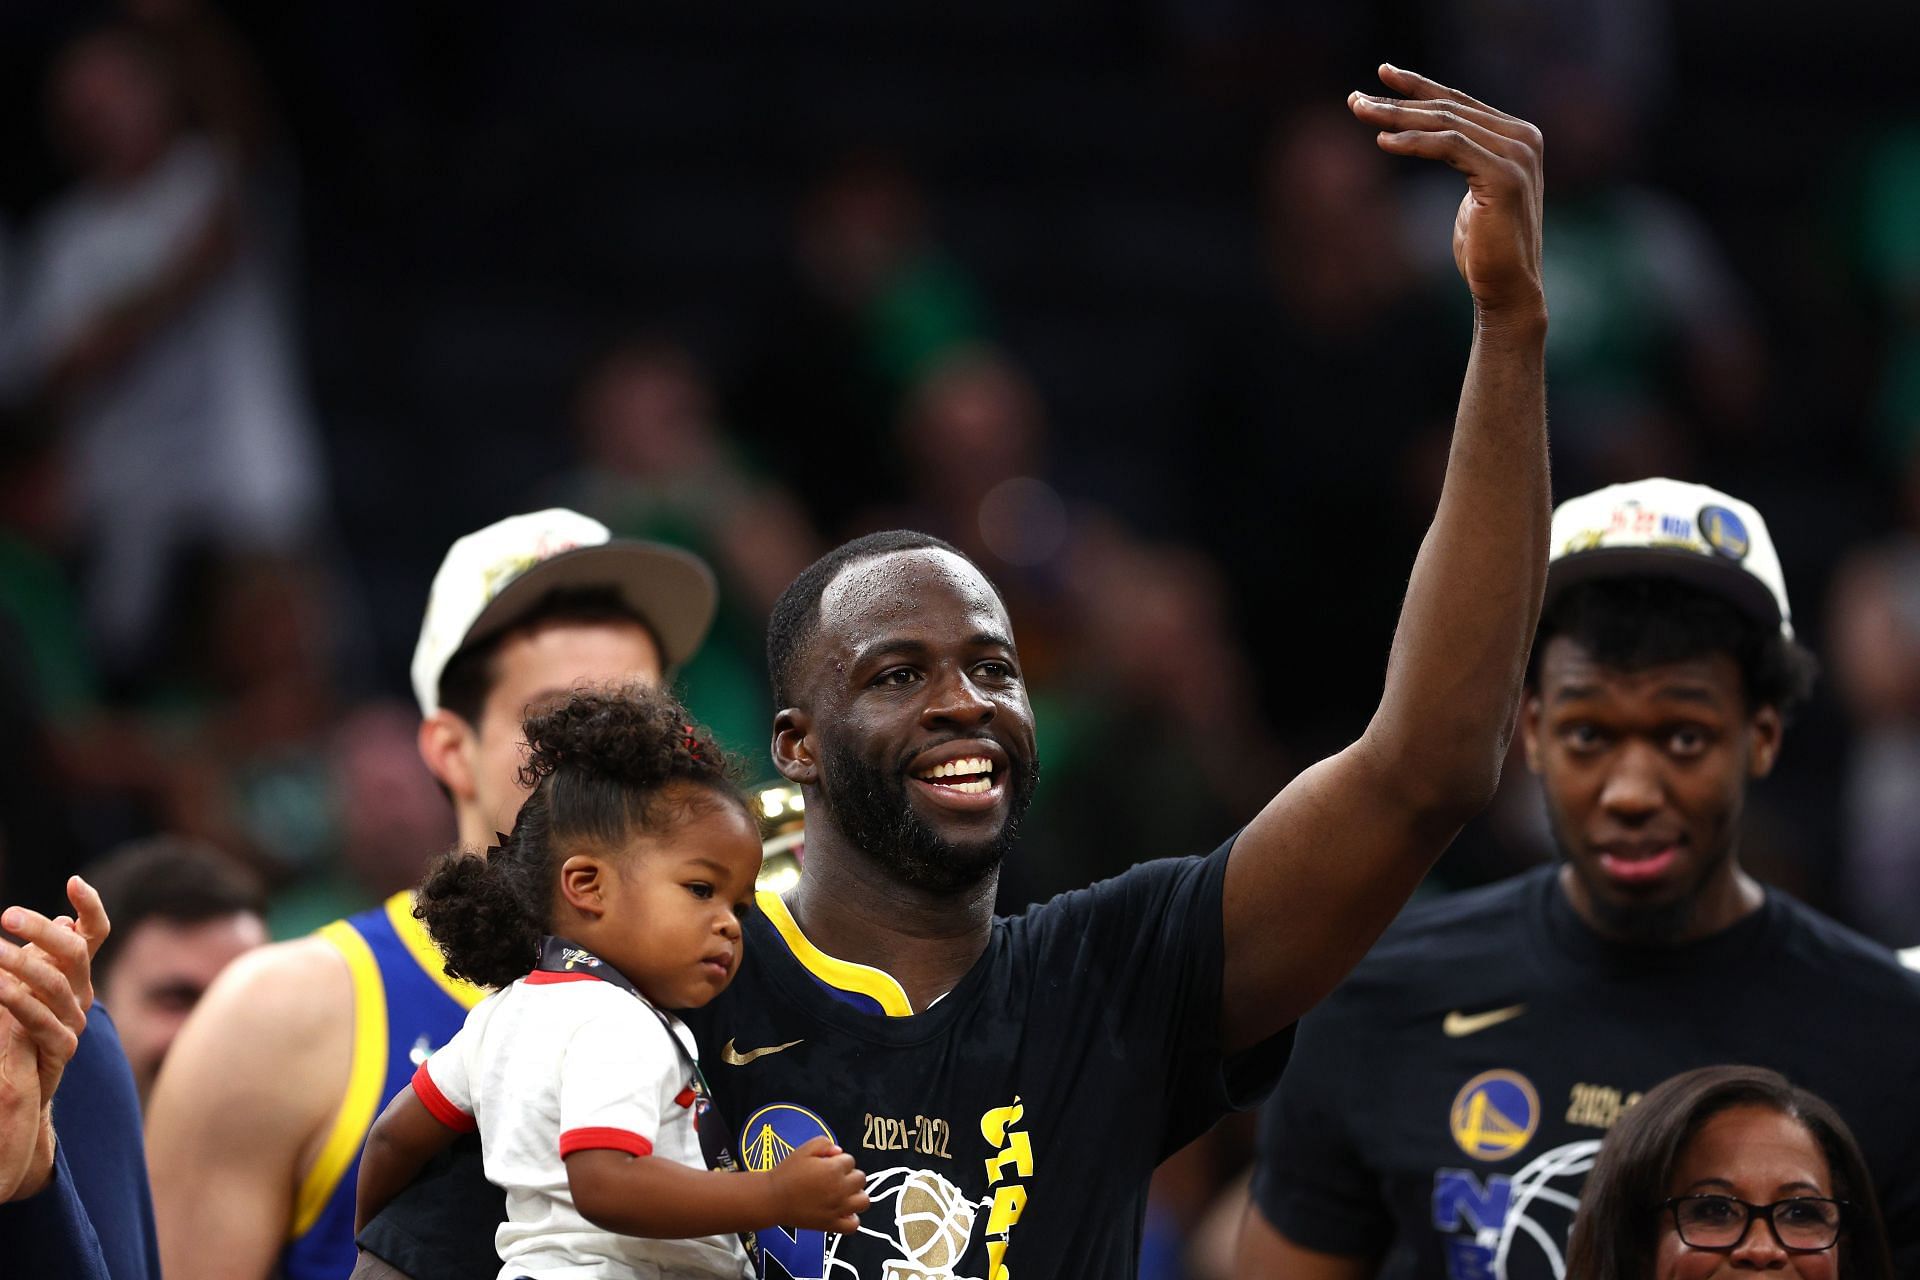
x=962 y=768
x=973 y=786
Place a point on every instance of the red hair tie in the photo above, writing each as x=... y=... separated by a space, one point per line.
x=692 y=744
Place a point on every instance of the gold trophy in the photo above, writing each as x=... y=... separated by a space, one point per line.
x=781 y=810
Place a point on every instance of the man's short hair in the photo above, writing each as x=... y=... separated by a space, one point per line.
x=467 y=681
x=1632 y=623
x=796 y=615
x=169 y=878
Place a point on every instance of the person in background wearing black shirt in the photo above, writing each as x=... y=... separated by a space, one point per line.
x=1443 y=1107
x=1009 y=1084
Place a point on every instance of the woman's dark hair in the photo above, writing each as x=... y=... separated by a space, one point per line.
x=1617 y=1231
x=1633 y=623
x=604 y=766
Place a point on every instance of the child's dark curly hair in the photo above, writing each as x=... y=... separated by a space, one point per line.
x=603 y=766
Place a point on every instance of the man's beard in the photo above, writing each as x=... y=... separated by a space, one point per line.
x=872 y=809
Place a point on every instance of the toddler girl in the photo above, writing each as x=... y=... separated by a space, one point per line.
x=617 y=897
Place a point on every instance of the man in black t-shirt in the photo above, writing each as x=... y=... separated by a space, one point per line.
x=1014 y=1119
x=1009 y=1085
x=1443 y=1107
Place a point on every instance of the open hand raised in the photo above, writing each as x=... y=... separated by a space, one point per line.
x=1496 y=235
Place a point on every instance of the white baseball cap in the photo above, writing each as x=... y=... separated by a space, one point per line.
x=1669 y=528
x=492 y=577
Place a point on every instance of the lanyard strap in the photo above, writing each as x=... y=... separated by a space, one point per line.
x=558 y=955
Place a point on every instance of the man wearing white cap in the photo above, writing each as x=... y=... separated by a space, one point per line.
x=256 y=1122
x=1442 y=1109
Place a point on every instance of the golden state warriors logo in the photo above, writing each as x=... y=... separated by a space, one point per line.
x=1495 y=1115
x=769 y=1136
x=1725 y=532
x=776 y=1132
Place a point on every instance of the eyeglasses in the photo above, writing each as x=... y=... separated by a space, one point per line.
x=1805 y=1224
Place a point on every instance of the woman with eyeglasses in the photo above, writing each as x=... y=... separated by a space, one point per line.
x=1726 y=1172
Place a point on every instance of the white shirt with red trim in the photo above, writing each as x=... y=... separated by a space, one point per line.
x=563 y=1062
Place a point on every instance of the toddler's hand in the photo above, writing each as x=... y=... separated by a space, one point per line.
x=818 y=1188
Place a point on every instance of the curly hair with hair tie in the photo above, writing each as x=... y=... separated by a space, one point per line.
x=604 y=766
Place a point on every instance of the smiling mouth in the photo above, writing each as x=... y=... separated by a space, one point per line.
x=972 y=776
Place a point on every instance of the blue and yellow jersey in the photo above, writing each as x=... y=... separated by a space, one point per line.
x=860 y=986
x=404 y=1007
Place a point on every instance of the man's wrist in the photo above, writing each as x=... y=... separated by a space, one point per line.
x=1520 y=320
x=40 y=1169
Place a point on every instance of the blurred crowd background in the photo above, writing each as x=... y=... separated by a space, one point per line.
x=1115 y=296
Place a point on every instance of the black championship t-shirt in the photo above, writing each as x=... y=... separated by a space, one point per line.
x=1007 y=1131
x=1442 y=1109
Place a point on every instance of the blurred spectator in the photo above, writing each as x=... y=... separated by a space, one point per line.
x=44 y=674
x=1330 y=410
x=1876 y=660
x=248 y=714
x=222 y=89
x=972 y=438
x=1654 y=352
x=1888 y=254
x=80 y=774
x=386 y=819
x=1514 y=52
x=656 y=463
x=1156 y=675
x=146 y=317
x=871 y=301
x=181 y=912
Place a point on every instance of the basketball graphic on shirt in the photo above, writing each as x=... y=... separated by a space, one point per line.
x=1545 y=1196
x=935 y=1220
x=932 y=1223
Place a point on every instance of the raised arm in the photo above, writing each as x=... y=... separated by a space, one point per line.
x=1322 y=870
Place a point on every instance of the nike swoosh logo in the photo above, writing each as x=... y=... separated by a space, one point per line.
x=734 y=1058
x=1460 y=1024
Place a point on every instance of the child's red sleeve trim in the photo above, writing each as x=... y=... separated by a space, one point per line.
x=602 y=1139
x=437 y=1105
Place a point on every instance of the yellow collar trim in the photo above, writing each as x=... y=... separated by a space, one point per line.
x=413 y=935
x=845 y=974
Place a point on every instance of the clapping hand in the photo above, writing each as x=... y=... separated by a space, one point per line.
x=46 y=988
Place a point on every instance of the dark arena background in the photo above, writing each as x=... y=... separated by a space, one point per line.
x=1119 y=298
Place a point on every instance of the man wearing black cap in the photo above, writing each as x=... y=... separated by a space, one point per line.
x=256 y=1122
x=1443 y=1107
